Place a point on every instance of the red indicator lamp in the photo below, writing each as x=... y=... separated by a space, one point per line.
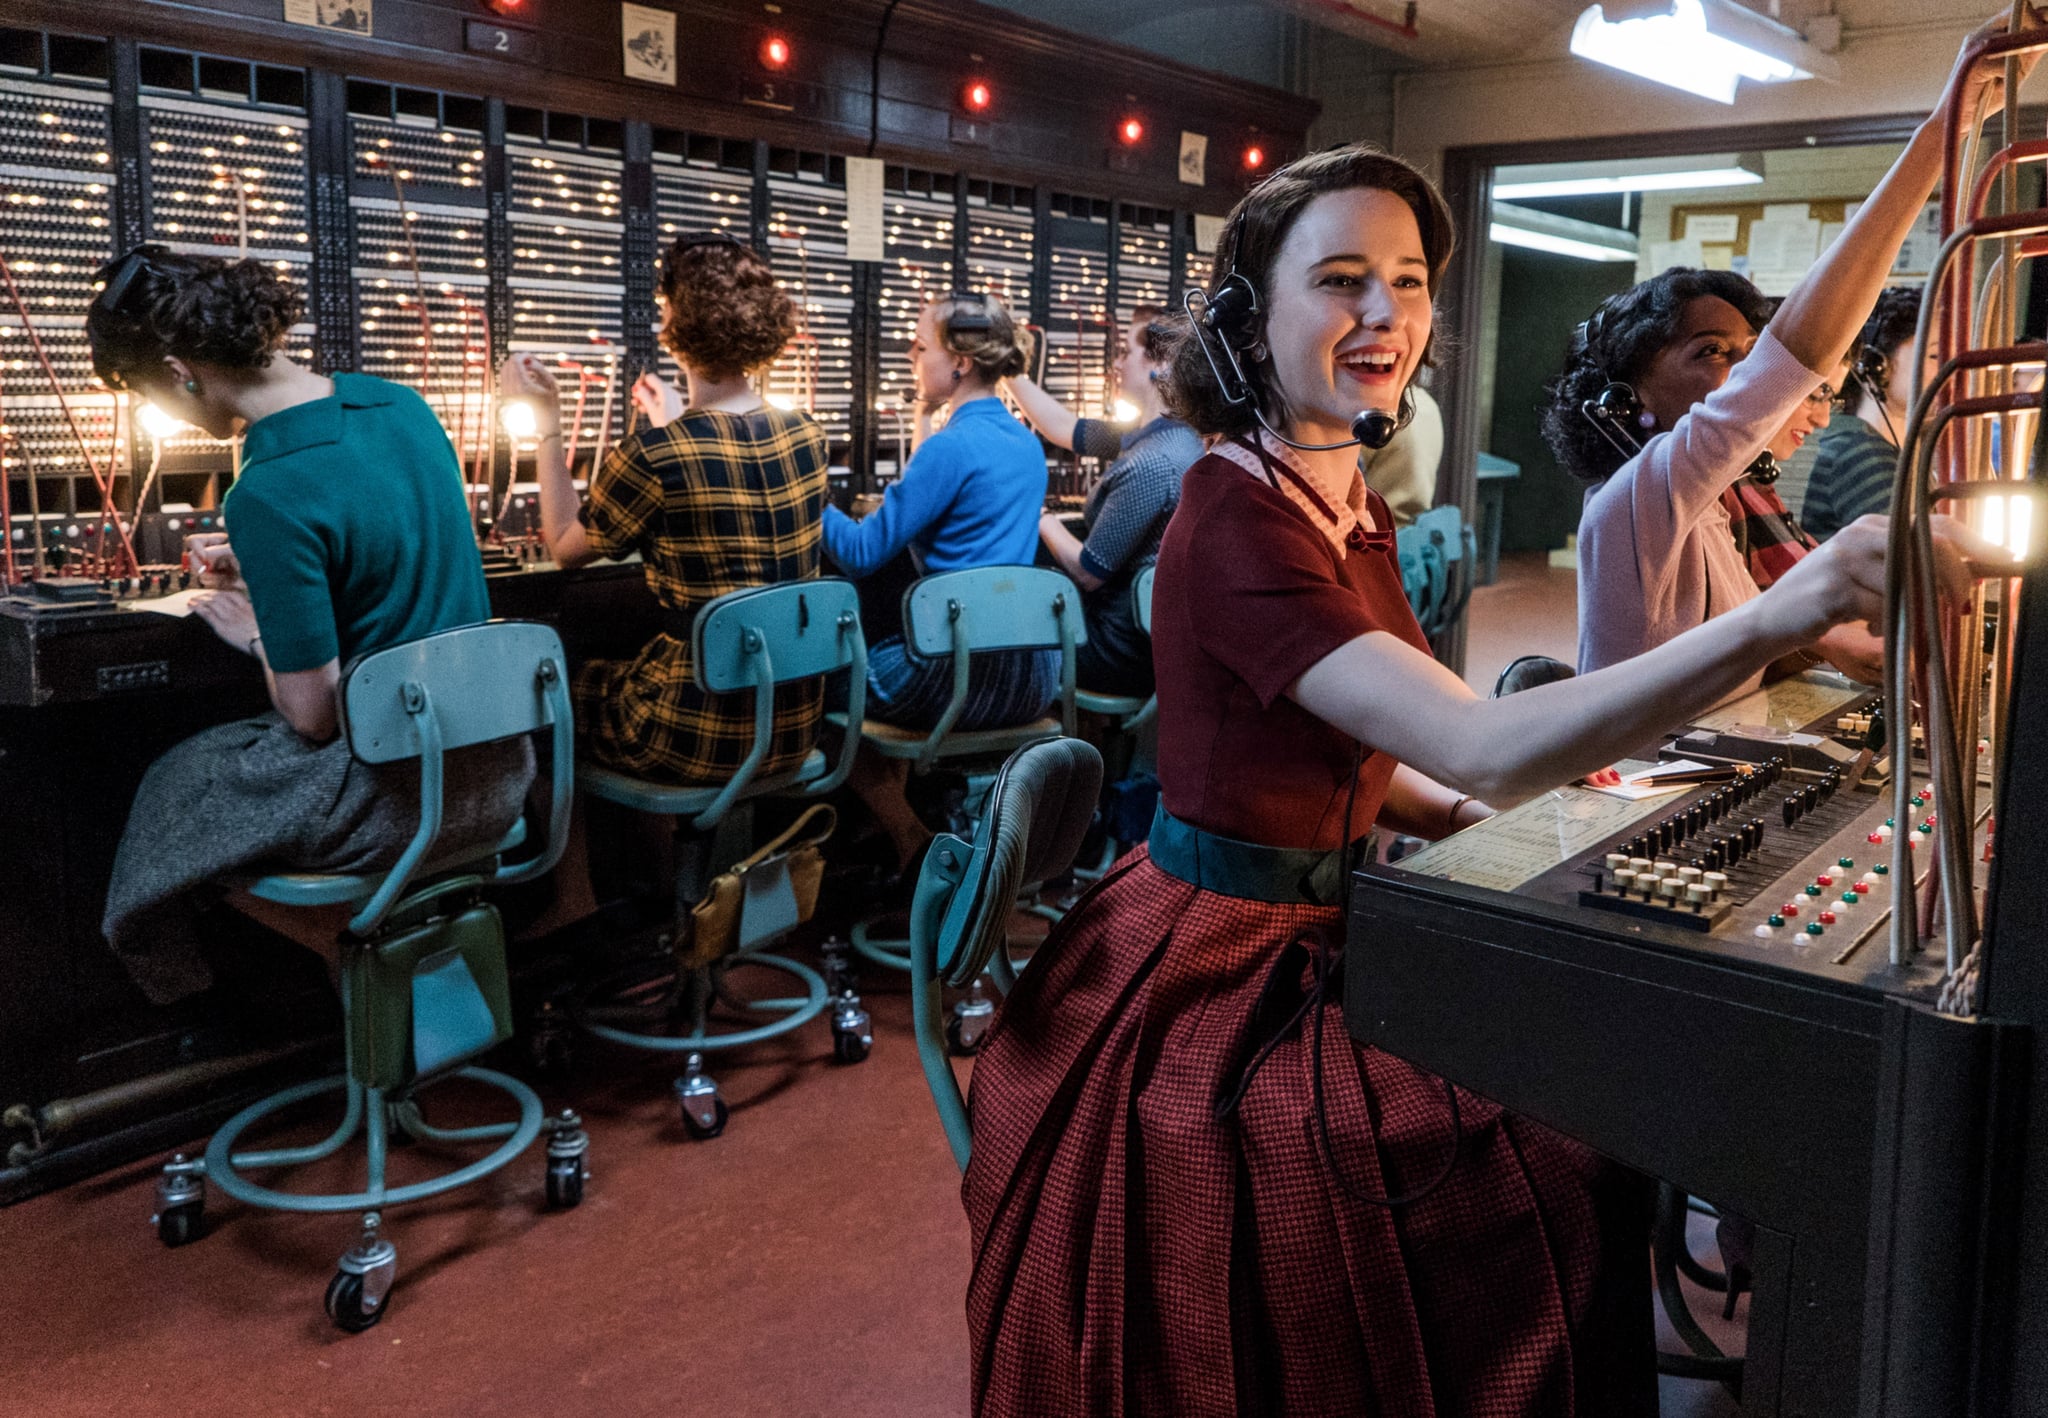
x=510 y=9
x=775 y=53
x=1131 y=130
x=976 y=96
x=1254 y=158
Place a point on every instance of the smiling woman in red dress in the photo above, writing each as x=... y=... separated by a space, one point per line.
x=1191 y=1193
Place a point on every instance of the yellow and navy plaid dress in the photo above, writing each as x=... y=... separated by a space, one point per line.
x=714 y=502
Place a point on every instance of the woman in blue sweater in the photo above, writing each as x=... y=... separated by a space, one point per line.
x=970 y=496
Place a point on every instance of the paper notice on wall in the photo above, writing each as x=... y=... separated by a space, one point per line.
x=1725 y=226
x=1780 y=252
x=1194 y=158
x=1208 y=231
x=354 y=16
x=1718 y=257
x=864 y=210
x=1666 y=254
x=648 y=44
x=1787 y=211
x=1922 y=245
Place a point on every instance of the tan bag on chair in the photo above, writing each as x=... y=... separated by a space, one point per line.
x=761 y=896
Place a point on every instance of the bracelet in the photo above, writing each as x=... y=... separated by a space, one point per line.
x=1451 y=818
x=254 y=641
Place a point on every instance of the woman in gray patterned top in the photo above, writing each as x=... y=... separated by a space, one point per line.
x=1127 y=511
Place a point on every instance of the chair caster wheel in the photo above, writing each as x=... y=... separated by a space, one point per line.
x=703 y=1111
x=345 y=1303
x=180 y=1200
x=852 y=1033
x=360 y=1291
x=179 y=1225
x=565 y=1183
x=968 y=1023
x=568 y=1144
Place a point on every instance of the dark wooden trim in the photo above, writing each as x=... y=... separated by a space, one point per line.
x=637 y=259
x=1054 y=93
x=337 y=334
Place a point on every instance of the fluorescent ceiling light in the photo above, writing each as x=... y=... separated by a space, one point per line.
x=1701 y=46
x=1605 y=179
x=1561 y=236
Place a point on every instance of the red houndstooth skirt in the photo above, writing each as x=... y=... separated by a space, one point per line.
x=1138 y=1251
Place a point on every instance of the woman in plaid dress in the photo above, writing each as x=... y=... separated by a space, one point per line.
x=1190 y=1192
x=717 y=497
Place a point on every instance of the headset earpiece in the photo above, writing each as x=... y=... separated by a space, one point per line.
x=1617 y=412
x=969 y=315
x=1874 y=372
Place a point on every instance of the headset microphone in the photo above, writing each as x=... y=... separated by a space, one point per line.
x=1375 y=428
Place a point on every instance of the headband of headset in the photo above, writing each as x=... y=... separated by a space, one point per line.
x=967 y=313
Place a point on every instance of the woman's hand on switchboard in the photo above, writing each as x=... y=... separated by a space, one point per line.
x=212 y=562
x=657 y=399
x=523 y=377
x=232 y=617
x=1843 y=582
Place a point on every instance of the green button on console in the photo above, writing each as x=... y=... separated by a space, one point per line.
x=1814 y=927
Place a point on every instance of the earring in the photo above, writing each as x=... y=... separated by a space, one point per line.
x=191 y=386
x=1646 y=419
x=1257 y=352
x=1153 y=375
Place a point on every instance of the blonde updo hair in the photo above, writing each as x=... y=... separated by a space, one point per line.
x=1003 y=349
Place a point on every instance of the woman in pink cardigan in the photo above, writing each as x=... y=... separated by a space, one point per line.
x=1669 y=395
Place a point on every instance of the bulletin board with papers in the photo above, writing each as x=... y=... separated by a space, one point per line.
x=1776 y=243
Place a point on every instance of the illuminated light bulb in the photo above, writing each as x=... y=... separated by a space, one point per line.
x=977 y=96
x=780 y=401
x=1125 y=411
x=1131 y=130
x=517 y=416
x=1254 y=158
x=156 y=423
x=775 y=52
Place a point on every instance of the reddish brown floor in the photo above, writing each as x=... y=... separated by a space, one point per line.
x=811 y=1261
x=1531 y=608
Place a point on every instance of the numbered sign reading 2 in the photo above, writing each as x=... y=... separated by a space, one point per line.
x=498 y=41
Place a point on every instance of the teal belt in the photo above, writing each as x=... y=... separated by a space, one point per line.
x=1288 y=876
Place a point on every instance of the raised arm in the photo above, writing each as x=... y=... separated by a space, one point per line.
x=1819 y=320
x=912 y=503
x=1053 y=420
x=1397 y=699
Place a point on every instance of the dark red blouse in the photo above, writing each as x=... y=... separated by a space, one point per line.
x=1250 y=593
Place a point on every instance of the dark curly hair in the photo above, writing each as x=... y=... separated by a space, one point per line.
x=1158 y=332
x=201 y=309
x=1002 y=349
x=723 y=315
x=1252 y=237
x=1616 y=345
x=1894 y=321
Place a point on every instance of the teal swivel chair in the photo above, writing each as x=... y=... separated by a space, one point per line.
x=1037 y=812
x=424 y=986
x=1133 y=742
x=1435 y=553
x=748 y=640
x=953 y=615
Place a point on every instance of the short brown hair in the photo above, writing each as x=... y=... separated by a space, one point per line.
x=998 y=352
x=723 y=314
x=1252 y=237
x=232 y=314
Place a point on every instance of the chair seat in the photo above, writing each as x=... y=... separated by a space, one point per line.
x=315 y=888
x=1113 y=705
x=644 y=796
x=893 y=741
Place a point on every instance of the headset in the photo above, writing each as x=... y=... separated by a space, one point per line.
x=117 y=307
x=968 y=314
x=1617 y=411
x=1873 y=370
x=1231 y=316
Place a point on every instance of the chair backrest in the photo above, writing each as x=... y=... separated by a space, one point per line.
x=993 y=608
x=1037 y=812
x=449 y=690
x=1141 y=594
x=763 y=636
x=1435 y=557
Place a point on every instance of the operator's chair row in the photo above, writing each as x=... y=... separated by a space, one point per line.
x=424 y=982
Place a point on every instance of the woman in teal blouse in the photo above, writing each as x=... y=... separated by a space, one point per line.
x=348 y=530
